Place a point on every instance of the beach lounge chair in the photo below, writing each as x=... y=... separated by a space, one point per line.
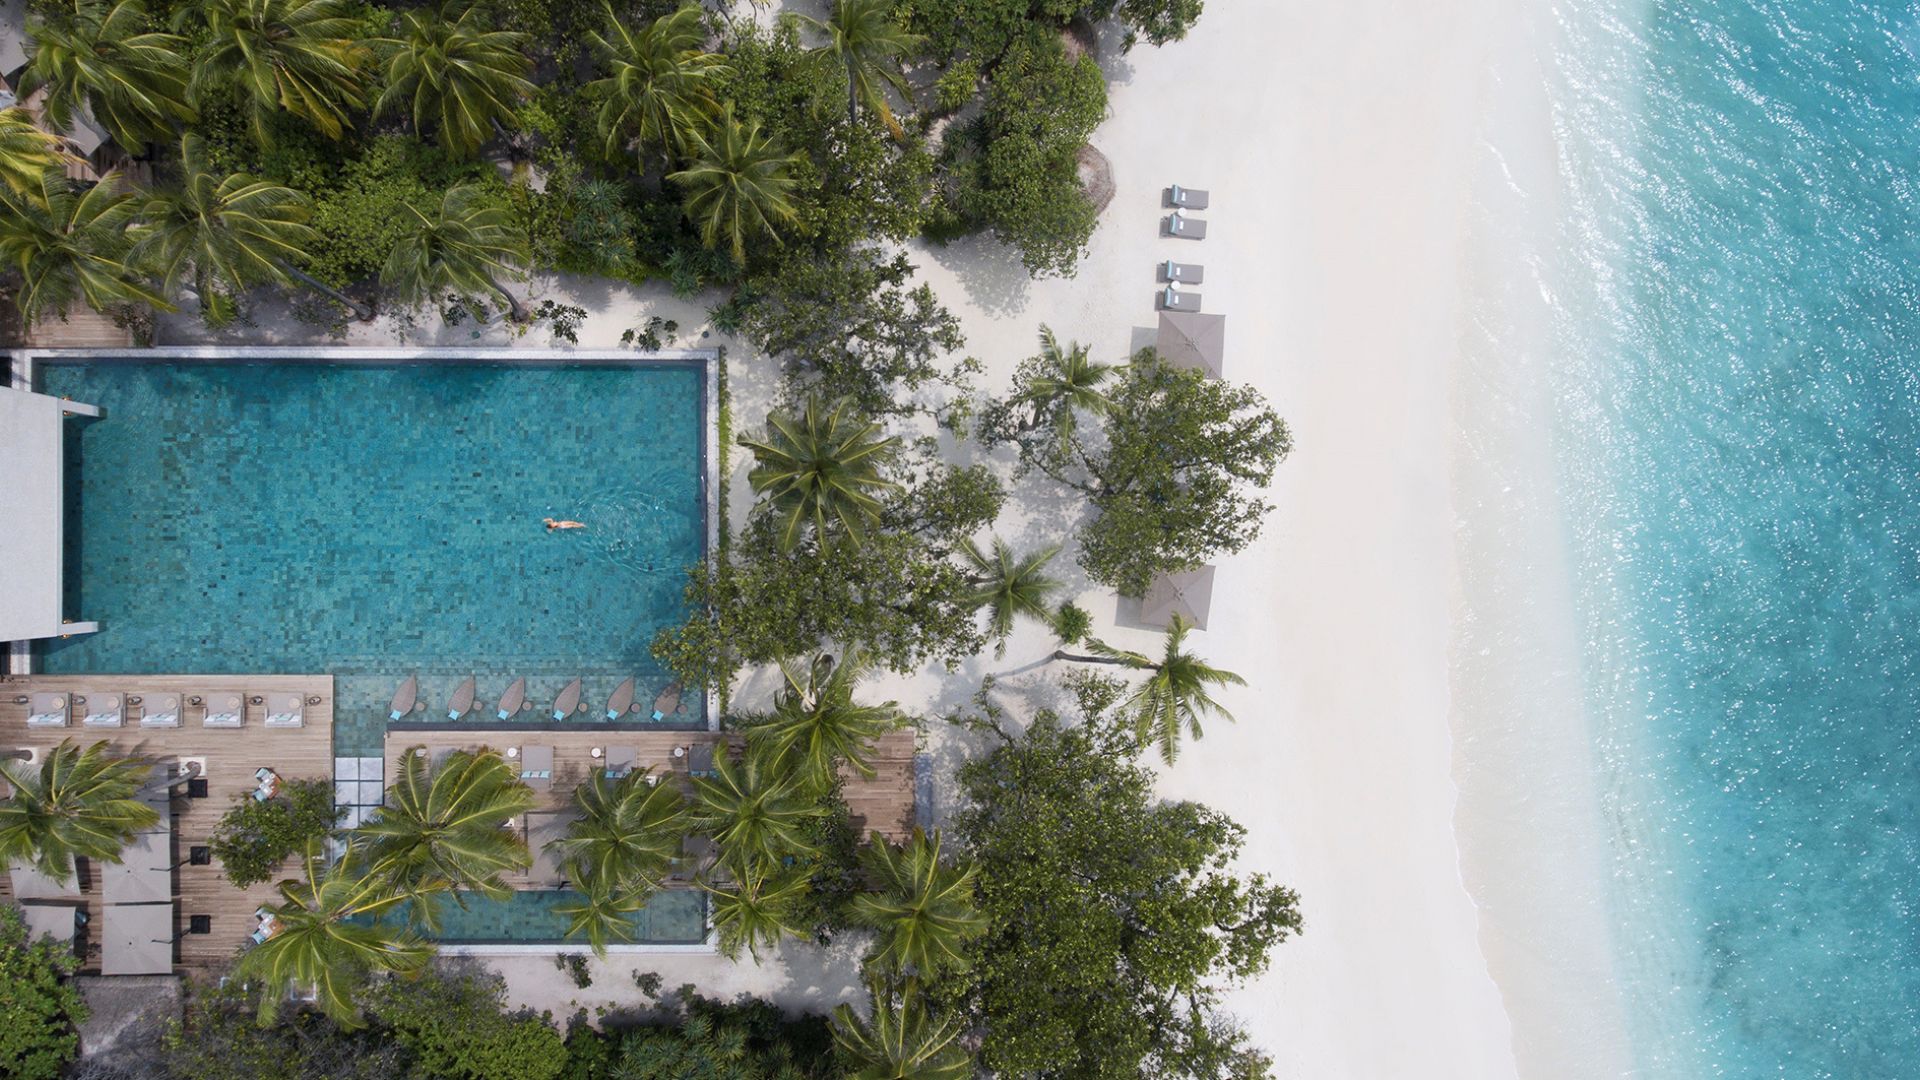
x=621 y=701
x=568 y=701
x=462 y=701
x=49 y=710
x=1172 y=299
x=536 y=767
x=620 y=761
x=1183 y=228
x=223 y=710
x=404 y=698
x=1186 y=198
x=513 y=700
x=160 y=711
x=104 y=710
x=700 y=760
x=285 y=711
x=667 y=702
x=1184 y=273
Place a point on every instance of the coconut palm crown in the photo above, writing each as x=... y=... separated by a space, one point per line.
x=867 y=44
x=456 y=78
x=75 y=804
x=627 y=836
x=658 y=93
x=924 y=913
x=1008 y=586
x=101 y=59
x=27 y=152
x=755 y=811
x=460 y=245
x=816 y=724
x=442 y=829
x=756 y=910
x=1176 y=693
x=68 y=245
x=821 y=470
x=1065 y=381
x=329 y=937
x=296 y=56
x=900 y=1040
x=738 y=185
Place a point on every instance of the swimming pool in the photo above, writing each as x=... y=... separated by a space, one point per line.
x=670 y=917
x=376 y=520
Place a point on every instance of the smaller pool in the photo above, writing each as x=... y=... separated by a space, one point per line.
x=672 y=917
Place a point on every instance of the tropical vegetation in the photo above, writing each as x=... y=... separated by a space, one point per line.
x=40 y=1007
x=1176 y=693
x=257 y=836
x=440 y=832
x=76 y=804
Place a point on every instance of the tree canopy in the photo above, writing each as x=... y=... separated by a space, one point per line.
x=40 y=1009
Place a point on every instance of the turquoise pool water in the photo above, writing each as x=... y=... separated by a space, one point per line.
x=378 y=521
x=672 y=917
x=1738 y=281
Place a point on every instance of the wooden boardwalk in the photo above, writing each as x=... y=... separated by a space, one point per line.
x=231 y=756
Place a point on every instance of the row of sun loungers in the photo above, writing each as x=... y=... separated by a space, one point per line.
x=1179 y=226
x=103 y=709
x=514 y=699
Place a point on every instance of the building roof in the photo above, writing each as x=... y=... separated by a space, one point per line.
x=31 y=549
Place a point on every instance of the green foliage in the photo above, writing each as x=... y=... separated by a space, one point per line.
x=63 y=245
x=756 y=910
x=1071 y=623
x=1111 y=933
x=1177 y=692
x=820 y=471
x=1008 y=586
x=832 y=869
x=455 y=76
x=303 y=57
x=1016 y=170
x=441 y=829
x=362 y=215
x=867 y=46
x=618 y=851
x=456 y=244
x=40 y=1010
x=27 y=151
x=657 y=97
x=254 y=838
x=738 y=184
x=702 y=1039
x=923 y=912
x=899 y=1039
x=107 y=60
x=755 y=810
x=76 y=804
x=816 y=725
x=850 y=325
x=454 y=1024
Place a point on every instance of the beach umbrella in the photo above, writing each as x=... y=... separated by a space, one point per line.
x=1191 y=340
x=1188 y=595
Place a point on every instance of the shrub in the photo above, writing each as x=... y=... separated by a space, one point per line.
x=455 y=1024
x=255 y=837
x=363 y=213
x=40 y=1011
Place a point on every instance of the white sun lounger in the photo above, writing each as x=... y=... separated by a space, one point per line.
x=49 y=710
x=224 y=710
x=104 y=710
x=160 y=711
x=285 y=711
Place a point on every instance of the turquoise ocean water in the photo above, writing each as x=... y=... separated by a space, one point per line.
x=1737 y=293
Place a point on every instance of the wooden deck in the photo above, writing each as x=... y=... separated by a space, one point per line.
x=231 y=756
x=883 y=801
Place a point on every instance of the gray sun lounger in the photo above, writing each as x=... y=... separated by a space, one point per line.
x=285 y=710
x=224 y=709
x=104 y=710
x=536 y=767
x=568 y=701
x=1184 y=273
x=1186 y=198
x=1172 y=299
x=620 y=761
x=160 y=711
x=1181 y=227
x=622 y=700
x=513 y=700
x=404 y=698
x=462 y=701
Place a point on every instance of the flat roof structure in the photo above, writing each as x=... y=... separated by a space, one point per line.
x=33 y=545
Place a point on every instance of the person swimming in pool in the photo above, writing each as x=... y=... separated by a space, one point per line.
x=552 y=524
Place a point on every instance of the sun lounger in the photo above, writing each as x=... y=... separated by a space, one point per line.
x=568 y=701
x=223 y=710
x=160 y=711
x=513 y=700
x=536 y=767
x=285 y=711
x=667 y=702
x=104 y=710
x=1183 y=228
x=404 y=698
x=1185 y=198
x=1184 y=273
x=1172 y=299
x=462 y=701
x=700 y=760
x=621 y=701
x=620 y=761
x=49 y=710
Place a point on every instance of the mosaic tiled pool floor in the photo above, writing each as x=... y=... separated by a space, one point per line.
x=673 y=917
x=373 y=522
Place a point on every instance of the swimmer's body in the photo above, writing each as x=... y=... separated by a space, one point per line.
x=552 y=524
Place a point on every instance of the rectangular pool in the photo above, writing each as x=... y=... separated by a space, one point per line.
x=671 y=917
x=373 y=521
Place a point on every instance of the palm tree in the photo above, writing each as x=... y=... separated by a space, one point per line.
x=226 y=234
x=100 y=59
x=756 y=909
x=737 y=185
x=901 y=1041
x=27 y=152
x=456 y=247
x=659 y=92
x=816 y=724
x=601 y=916
x=1065 y=382
x=296 y=56
x=1175 y=696
x=924 y=910
x=625 y=840
x=443 y=830
x=867 y=44
x=1008 y=586
x=78 y=803
x=456 y=77
x=69 y=245
x=330 y=938
x=756 y=812
x=821 y=468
